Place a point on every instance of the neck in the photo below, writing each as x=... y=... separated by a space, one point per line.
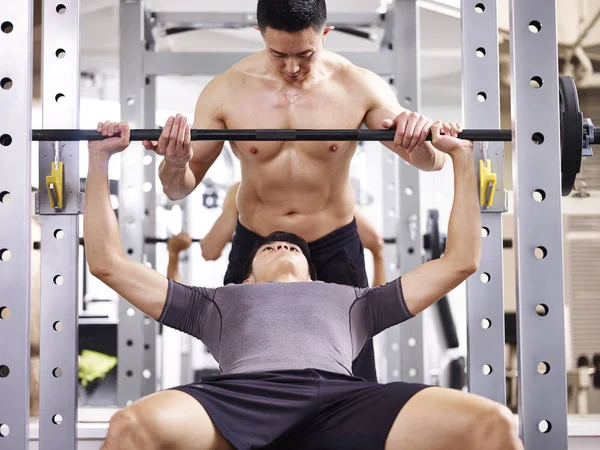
x=286 y=278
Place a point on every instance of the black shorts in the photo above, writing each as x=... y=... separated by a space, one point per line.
x=301 y=409
x=338 y=258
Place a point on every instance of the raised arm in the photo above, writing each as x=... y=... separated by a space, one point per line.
x=372 y=241
x=180 y=172
x=140 y=285
x=222 y=230
x=379 y=308
x=429 y=282
x=175 y=245
x=384 y=111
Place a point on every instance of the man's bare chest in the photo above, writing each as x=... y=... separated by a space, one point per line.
x=318 y=109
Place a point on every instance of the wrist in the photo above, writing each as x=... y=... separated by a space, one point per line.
x=175 y=165
x=98 y=159
x=462 y=154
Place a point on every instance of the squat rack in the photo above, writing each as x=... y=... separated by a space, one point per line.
x=542 y=396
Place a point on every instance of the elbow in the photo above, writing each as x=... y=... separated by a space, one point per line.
x=101 y=268
x=470 y=268
x=377 y=248
x=100 y=271
x=464 y=265
x=210 y=254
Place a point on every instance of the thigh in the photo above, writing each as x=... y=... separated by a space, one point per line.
x=437 y=418
x=177 y=420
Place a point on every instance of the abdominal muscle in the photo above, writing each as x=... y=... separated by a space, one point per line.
x=295 y=193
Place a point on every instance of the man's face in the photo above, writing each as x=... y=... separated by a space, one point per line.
x=279 y=258
x=293 y=54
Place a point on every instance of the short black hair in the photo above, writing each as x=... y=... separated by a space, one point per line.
x=282 y=236
x=291 y=15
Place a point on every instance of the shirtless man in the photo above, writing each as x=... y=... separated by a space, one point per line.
x=300 y=187
x=223 y=229
x=285 y=342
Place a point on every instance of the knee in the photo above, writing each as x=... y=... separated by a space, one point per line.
x=497 y=425
x=127 y=430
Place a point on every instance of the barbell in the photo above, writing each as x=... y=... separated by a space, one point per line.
x=37 y=245
x=576 y=132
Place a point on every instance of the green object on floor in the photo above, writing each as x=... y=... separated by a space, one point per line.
x=94 y=365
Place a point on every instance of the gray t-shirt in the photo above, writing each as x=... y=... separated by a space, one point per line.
x=284 y=326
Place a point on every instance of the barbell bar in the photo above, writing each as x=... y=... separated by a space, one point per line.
x=576 y=134
x=264 y=135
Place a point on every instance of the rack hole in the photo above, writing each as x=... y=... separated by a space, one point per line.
x=7 y=27
x=543 y=368
x=540 y=252
x=6 y=83
x=542 y=310
x=537 y=138
x=535 y=26
x=4 y=312
x=536 y=82
x=5 y=140
x=544 y=426
x=5 y=255
x=4 y=430
x=539 y=195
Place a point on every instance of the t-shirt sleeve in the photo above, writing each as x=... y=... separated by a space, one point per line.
x=376 y=309
x=192 y=310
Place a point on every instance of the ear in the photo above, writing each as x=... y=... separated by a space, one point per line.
x=256 y=27
x=250 y=279
x=326 y=31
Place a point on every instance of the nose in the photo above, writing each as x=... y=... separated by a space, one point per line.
x=283 y=247
x=291 y=66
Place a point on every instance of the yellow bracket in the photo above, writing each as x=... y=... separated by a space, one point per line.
x=487 y=183
x=54 y=185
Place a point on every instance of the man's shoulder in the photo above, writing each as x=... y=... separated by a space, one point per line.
x=246 y=68
x=346 y=70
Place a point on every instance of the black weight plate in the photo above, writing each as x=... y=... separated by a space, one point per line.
x=571 y=133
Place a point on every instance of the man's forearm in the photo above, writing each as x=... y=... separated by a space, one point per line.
x=378 y=270
x=178 y=181
x=173 y=267
x=464 y=228
x=100 y=226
